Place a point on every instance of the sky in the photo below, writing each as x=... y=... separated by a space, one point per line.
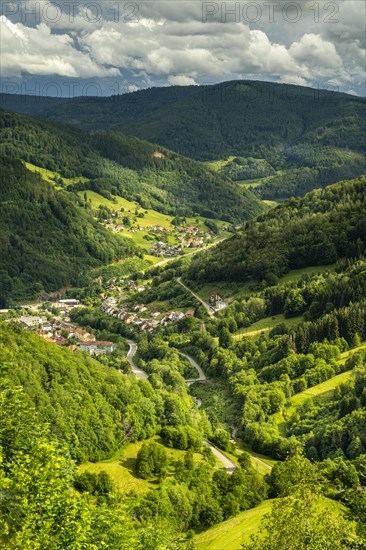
x=72 y=48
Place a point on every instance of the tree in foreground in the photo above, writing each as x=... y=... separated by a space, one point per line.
x=302 y=519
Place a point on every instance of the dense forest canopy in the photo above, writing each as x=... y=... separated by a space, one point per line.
x=318 y=229
x=208 y=122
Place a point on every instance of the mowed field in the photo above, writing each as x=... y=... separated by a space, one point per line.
x=121 y=467
x=232 y=533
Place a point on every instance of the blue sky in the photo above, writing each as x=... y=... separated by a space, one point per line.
x=69 y=48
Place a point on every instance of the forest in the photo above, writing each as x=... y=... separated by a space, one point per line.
x=325 y=225
x=113 y=164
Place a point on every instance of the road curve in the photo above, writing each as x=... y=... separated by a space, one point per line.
x=228 y=464
x=205 y=304
x=201 y=374
x=130 y=355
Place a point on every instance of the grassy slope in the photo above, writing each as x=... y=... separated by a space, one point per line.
x=325 y=388
x=265 y=325
x=231 y=534
x=151 y=218
x=121 y=467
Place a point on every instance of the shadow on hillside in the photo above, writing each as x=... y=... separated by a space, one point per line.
x=129 y=464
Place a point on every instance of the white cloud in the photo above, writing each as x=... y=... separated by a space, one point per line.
x=39 y=52
x=168 y=42
x=314 y=51
x=181 y=80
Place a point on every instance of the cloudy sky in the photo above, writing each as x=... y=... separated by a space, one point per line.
x=67 y=47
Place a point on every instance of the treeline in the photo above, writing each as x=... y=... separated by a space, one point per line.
x=325 y=225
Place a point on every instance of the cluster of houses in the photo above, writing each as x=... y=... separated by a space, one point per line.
x=61 y=334
x=134 y=286
x=129 y=314
x=167 y=250
x=188 y=236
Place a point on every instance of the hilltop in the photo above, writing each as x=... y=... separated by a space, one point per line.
x=294 y=138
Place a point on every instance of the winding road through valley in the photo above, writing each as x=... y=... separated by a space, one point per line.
x=201 y=374
x=130 y=355
x=228 y=464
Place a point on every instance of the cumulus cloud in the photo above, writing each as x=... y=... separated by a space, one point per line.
x=181 y=80
x=167 y=42
x=39 y=52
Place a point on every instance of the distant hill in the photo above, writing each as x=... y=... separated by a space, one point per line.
x=325 y=225
x=113 y=164
x=308 y=137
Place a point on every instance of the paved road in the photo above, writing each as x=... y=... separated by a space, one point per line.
x=201 y=374
x=205 y=304
x=228 y=464
x=131 y=354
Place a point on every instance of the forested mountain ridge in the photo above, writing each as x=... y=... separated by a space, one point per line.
x=110 y=162
x=47 y=241
x=207 y=122
x=308 y=137
x=317 y=229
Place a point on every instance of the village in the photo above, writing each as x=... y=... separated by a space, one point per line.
x=165 y=242
x=143 y=317
x=57 y=328
x=50 y=318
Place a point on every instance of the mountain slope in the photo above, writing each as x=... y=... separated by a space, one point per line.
x=317 y=229
x=115 y=164
x=46 y=240
x=308 y=138
x=206 y=122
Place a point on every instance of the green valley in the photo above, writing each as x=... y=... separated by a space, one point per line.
x=182 y=358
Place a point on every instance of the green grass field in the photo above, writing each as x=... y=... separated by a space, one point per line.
x=295 y=274
x=218 y=164
x=232 y=533
x=121 y=467
x=325 y=388
x=265 y=325
x=50 y=176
